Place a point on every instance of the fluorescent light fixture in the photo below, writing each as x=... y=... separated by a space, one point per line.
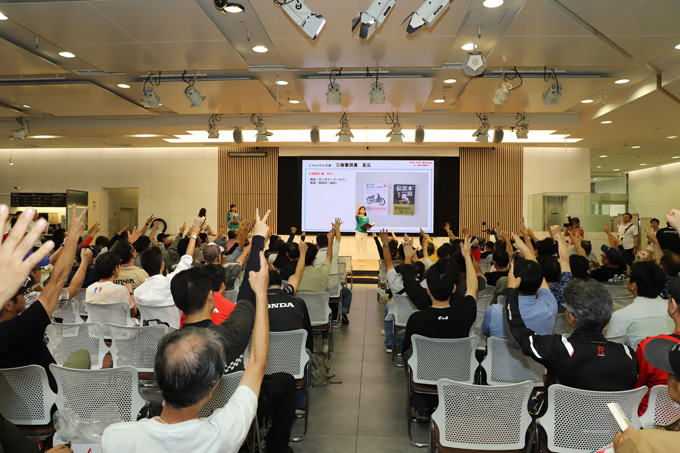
x=606 y=122
x=123 y=85
x=26 y=106
x=492 y=3
x=622 y=81
x=500 y=97
x=376 y=14
x=377 y=93
x=145 y=135
x=309 y=22
x=635 y=147
x=3 y=17
x=420 y=134
x=587 y=101
x=260 y=49
x=45 y=136
x=676 y=157
x=672 y=136
x=468 y=46
x=616 y=169
x=428 y=13
x=67 y=54
x=282 y=83
x=642 y=165
x=450 y=81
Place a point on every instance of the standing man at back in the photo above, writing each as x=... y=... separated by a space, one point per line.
x=628 y=233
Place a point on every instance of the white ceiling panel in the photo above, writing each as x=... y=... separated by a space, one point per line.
x=112 y=58
x=7 y=113
x=649 y=48
x=205 y=56
x=537 y=51
x=17 y=61
x=648 y=17
x=538 y=17
x=602 y=14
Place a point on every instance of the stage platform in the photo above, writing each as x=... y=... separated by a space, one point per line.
x=366 y=274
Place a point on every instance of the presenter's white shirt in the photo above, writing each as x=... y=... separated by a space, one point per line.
x=224 y=431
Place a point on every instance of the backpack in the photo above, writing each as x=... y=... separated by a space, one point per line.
x=320 y=373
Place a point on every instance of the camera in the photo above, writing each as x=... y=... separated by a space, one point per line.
x=96 y=250
x=568 y=224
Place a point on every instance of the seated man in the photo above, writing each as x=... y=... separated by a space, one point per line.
x=664 y=355
x=557 y=274
x=292 y=255
x=500 y=261
x=212 y=254
x=536 y=302
x=345 y=293
x=105 y=291
x=647 y=315
x=223 y=306
x=129 y=273
x=188 y=366
x=585 y=360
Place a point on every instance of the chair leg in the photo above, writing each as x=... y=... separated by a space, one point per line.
x=433 y=441
x=408 y=412
x=304 y=432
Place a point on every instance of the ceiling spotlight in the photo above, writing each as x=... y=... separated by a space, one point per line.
x=672 y=136
x=292 y=101
x=482 y=134
x=468 y=46
x=213 y=132
x=551 y=96
x=333 y=95
x=522 y=130
x=474 y=63
x=375 y=14
x=227 y=7
x=635 y=147
x=26 y=106
x=23 y=130
x=395 y=135
x=11 y=161
x=377 y=91
x=308 y=21
x=238 y=135
x=262 y=133
x=192 y=92
x=149 y=96
x=440 y=100
x=492 y=3
x=500 y=97
x=498 y=135
x=315 y=135
x=420 y=134
x=345 y=133
x=67 y=54
x=260 y=49
x=428 y=13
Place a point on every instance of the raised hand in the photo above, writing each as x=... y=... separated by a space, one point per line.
x=384 y=236
x=466 y=245
x=93 y=230
x=77 y=225
x=330 y=236
x=194 y=230
x=293 y=230
x=651 y=235
x=337 y=223
x=465 y=231
x=124 y=229
x=447 y=227
x=150 y=219
x=303 y=248
x=556 y=229
x=261 y=228
x=182 y=228
x=605 y=228
x=673 y=219
x=136 y=234
x=259 y=281
x=513 y=282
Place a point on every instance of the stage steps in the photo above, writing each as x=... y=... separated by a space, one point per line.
x=365 y=276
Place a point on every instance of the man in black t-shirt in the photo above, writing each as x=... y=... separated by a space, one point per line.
x=669 y=239
x=501 y=259
x=613 y=267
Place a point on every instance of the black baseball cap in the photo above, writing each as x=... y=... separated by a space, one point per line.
x=674 y=288
x=613 y=255
x=664 y=354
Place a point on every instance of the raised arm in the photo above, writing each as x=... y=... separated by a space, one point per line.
x=336 y=225
x=525 y=235
x=79 y=276
x=358 y=210
x=259 y=281
x=651 y=237
x=577 y=238
x=294 y=281
x=384 y=248
x=525 y=250
x=147 y=223
x=329 y=249
x=291 y=238
x=556 y=230
x=470 y=273
x=193 y=235
x=253 y=264
x=504 y=236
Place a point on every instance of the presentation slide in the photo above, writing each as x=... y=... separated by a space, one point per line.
x=397 y=194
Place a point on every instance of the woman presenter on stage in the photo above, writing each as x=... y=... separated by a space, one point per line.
x=361 y=235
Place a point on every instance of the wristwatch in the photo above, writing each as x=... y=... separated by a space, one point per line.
x=385 y=244
x=193 y=236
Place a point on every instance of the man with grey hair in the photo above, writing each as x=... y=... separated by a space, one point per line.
x=585 y=360
x=212 y=254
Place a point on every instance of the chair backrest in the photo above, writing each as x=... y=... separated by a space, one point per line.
x=504 y=364
x=118 y=313
x=68 y=312
x=63 y=339
x=318 y=308
x=334 y=286
x=164 y=313
x=26 y=395
x=490 y=289
x=661 y=409
x=231 y=295
x=484 y=301
x=107 y=395
x=225 y=388
x=135 y=346
x=402 y=309
x=443 y=358
x=347 y=259
x=619 y=291
x=287 y=353
x=482 y=417
x=382 y=270
x=561 y=325
x=580 y=421
x=342 y=270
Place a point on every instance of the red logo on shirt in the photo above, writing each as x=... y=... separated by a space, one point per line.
x=600 y=351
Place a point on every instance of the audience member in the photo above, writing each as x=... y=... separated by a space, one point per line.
x=628 y=233
x=345 y=293
x=613 y=267
x=292 y=255
x=668 y=238
x=501 y=261
x=560 y=273
x=105 y=291
x=129 y=273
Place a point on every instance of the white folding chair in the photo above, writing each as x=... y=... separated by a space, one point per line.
x=168 y=313
x=480 y=417
x=579 y=421
x=433 y=359
x=319 y=314
x=561 y=325
x=347 y=259
x=108 y=395
x=27 y=399
x=402 y=310
x=231 y=295
x=506 y=365
x=484 y=301
x=334 y=293
x=618 y=291
x=68 y=312
x=382 y=273
x=225 y=389
x=63 y=339
x=80 y=297
x=661 y=408
x=136 y=346
x=118 y=313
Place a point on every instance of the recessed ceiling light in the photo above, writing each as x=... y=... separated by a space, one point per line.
x=635 y=147
x=676 y=157
x=468 y=46
x=622 y=81
x=672 y=136
x=3 y=17
x=145 y=135
x=586 y=101
x=260 y=49
x=123 y=85
x=67 y=54
x=27 y=106
x=439 y=101
x=642 y=165
x=678 y=47
x=450 y=81
x=603 y=156
x=606 y=122
x=616 y=169
x=594 y=179
x=43 y=136
x=293 y=101
x=492 y=3
x=599 y=166
x=283 y=83
x=234 y=8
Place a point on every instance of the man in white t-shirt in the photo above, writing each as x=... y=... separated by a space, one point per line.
x=189 y=363
x=107 y=267
x=322 y=243
x=628 y=233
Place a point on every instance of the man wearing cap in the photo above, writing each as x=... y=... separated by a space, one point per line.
x=663 y=354
x=613 y=267
x=647 y=315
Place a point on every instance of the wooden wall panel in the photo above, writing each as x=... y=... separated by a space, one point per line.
x=249 y=182
x=491 y=187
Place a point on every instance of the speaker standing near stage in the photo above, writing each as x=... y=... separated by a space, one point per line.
x=361 y=234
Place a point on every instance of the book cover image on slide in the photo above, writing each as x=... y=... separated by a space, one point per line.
x=404 y=199
x=375 y=198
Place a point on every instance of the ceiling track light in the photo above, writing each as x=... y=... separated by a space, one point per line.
x=428 y=13
x=345 y=134
x=474 y=63
x=377 y=92
x=522 y=126
x=213 y=132
x=482 y=134
x=333 y=95
x=376 y=14
x=23 y=130
x=420 y=134
x=395 y=135
x=149 y=97
x=498 y=134
x=551 y=96
x=500 y=96
x=228 y=7
x=315 y=134
x=192 y=92
x=262 y=133
x=238 y=135
x=309 y=22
